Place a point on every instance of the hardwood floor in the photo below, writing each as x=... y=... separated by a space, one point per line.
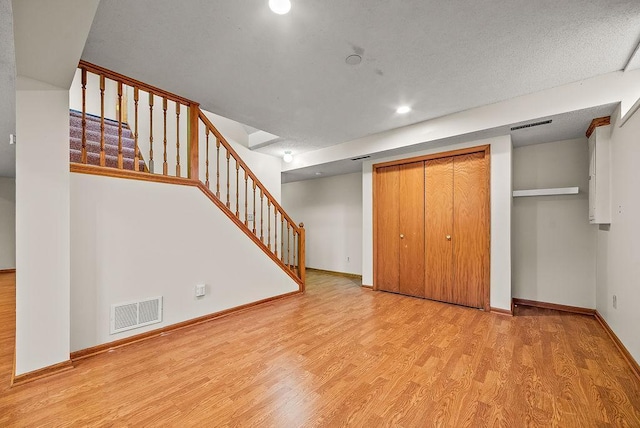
x=340 y=355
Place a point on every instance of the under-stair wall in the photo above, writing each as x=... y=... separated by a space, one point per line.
x=132 y=240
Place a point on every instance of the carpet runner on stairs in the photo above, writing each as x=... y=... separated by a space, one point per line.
x=93 y=142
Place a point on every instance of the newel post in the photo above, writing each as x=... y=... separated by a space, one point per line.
x=192 y=148
x=301 y=260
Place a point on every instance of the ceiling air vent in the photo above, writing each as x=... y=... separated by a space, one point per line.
x=360 y=158
x=531 y=125
x=130 y=315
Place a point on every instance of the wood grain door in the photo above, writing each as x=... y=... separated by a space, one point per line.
x=438 y=229
x=470 y=235
x=387 y=209
x=411 y=237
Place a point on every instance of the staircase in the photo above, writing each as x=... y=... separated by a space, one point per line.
x=93 y=135
x=189 y=151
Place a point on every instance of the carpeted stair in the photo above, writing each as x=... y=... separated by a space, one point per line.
x=93 y=142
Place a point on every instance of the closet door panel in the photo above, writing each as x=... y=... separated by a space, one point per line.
x=470 y=228
x=411 y=236
x=387 y=229
x=438 y=226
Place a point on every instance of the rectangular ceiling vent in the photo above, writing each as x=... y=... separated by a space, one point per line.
x=531 y=125
x=361 y=157
x=130 y=315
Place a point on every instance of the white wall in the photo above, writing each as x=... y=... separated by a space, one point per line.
x=618 y=250
x=501 y=204
x=42 y=225
x=554 y=254
x=7 y=223
x=132 y=239
x=331 y=209
x=92 y=96
x=265 y=167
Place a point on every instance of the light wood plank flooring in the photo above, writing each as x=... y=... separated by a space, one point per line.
x=340 y=355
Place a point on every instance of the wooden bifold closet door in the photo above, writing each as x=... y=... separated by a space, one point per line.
x=401 y=270
x=432 y=228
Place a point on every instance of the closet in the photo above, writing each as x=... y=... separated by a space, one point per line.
x=431 y=227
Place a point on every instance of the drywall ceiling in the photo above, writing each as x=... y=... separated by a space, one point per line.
x=287 y=74
x=564 y=126
x=8 y=91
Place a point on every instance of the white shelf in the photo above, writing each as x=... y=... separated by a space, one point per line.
x=547 y=192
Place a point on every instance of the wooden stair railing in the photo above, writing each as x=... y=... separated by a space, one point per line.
x=238 y=192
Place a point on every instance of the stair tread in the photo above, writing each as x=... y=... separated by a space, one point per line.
x=93 y=135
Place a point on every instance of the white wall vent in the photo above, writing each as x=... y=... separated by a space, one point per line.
x=130 y=315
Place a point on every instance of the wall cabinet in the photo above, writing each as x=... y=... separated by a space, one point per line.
x=432 y=228
x=599 y=176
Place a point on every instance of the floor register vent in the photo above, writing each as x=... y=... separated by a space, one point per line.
x=130 y=315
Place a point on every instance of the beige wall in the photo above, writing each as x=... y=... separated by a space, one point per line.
x=554 y=254
x=132 y=240
x=42 y=225
x=331 y=209
x=7 y=223
x=618 y=249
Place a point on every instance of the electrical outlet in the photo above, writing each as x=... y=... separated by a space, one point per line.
x=615 y=302
x=249 y=217
x=201 y=290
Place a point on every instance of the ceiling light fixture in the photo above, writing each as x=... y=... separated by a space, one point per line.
x=403 y=109
x=288 y=157
x=281 y=7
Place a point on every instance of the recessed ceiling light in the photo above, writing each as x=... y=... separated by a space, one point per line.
x=353 y=59
x=403 y=109
x=281 y=7
x=288 y=157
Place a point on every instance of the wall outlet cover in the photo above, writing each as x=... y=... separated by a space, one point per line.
x=201 y=290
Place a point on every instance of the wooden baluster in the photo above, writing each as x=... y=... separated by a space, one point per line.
x=136 y=150
x=282 y=237
x=83 y=157
x=165 y=166
x=295 y=252
x=228 y=200
x=254 y=205
x=288 y=247
x=103 y=159
x=237 y=189
x=261 y=216
x=206 y=133
x=269 y=224
x=275 y=228
x=150 y=132
x=177 y=139
x=301 y=256
x=120 y=157
x=246 y=198
x=218 y=168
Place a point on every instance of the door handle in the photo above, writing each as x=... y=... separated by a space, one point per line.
x=401 y=236
x=448 y=237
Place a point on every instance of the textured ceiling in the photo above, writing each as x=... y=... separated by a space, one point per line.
x=7 y=91
x=287 y=74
